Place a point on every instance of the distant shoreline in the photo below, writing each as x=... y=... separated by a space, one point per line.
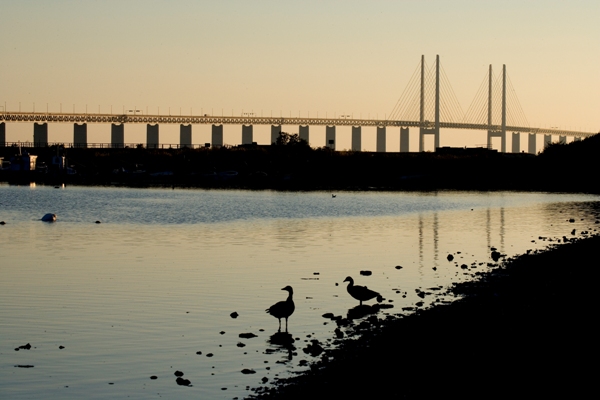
x=292 y=168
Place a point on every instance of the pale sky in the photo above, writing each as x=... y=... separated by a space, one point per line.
x=304 y=57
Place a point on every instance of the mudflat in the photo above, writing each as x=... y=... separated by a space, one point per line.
x=525 y=329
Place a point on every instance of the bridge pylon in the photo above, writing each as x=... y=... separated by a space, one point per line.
x=425 y=127
x=502 y=132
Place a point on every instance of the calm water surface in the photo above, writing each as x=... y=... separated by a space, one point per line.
x=141 y=293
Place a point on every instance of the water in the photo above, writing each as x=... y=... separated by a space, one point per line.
x=156 y=281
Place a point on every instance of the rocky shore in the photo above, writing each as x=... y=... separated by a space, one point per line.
x=525 y=329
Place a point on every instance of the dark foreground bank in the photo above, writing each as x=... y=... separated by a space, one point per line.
x=527 y=329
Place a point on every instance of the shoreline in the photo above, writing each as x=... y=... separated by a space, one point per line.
x=525 y=327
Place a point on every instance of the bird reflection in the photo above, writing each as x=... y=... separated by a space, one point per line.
x=283 y=309
x=361 y=293
x=283 y=342
x=362 y=311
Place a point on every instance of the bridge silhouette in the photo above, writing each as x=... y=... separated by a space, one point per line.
x=428 y=103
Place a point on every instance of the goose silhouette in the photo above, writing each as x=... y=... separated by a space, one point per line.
x=361 y=293
x=283 y=309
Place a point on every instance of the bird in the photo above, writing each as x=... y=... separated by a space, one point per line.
x=361 y=293
x=283 y=309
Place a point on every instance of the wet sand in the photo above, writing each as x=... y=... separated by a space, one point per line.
x=525 y=329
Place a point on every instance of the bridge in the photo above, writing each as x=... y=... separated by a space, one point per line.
x=427 y=104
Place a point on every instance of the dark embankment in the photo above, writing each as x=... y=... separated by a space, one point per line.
x=298 y=167
x=526 y=330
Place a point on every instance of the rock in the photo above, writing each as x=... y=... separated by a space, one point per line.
x=61 y=347
x=2 y=223
x=49 y=217
x=573 y=232
x=265 y=379
x=199 y=352
x=23 y=366
x=248 y=335
x=314 y=349
x=154 y=377
x=328 y=315
x=247 y=371
x=222 y=332
x=338 y=333
x=234 y=315
x=398 y=267
x=366 y=273
x=209 y=354
x=496 y=256
x=24 y=347
x=571 y=220
x=98 y=222
x=178 y=373
x=465 y=266
x=183 y=382
x=450 y=257
x=240 y=344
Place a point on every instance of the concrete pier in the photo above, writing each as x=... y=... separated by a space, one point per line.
x=516 y=142
x=330 y=137
x=547 y=140
x=562 y=139
x=185 y=135
x=80 y=135
x=275 y=131
x=532 y=148
x=501 y=135
x=217 y=136
x=381 y=139
x=577 y=139
x=303 y=133
x=117 y=135
x=152 y=136
x=40 y=134
x=356 y=139
x=247 y=134
x=2 y=134
x=404 y=137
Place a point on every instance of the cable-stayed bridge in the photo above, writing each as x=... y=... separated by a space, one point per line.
x=428 y=103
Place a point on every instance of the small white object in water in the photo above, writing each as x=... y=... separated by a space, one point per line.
x=49 y=217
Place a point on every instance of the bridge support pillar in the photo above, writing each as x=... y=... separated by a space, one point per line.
x=380 y=139
x=40 y=134
x=246 y=134
x=80 y=135
x=404 y=140
x=185 y=135
x=356 y=138
x=501 y=135
x=303 y=133
x=2 y=134
x=330 y=137
x=117 y=135
x=562 y=139
x=428 y=131
x=575 y=139
x=217 y=136
x=275 y=131
x=532 y=144
x=547 y=140
x=152 y=136
x=516 y=142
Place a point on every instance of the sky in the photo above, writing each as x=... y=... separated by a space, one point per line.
x=303 y=58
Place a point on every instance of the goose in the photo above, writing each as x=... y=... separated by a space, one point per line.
x=283 y=309
x=361 y=293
